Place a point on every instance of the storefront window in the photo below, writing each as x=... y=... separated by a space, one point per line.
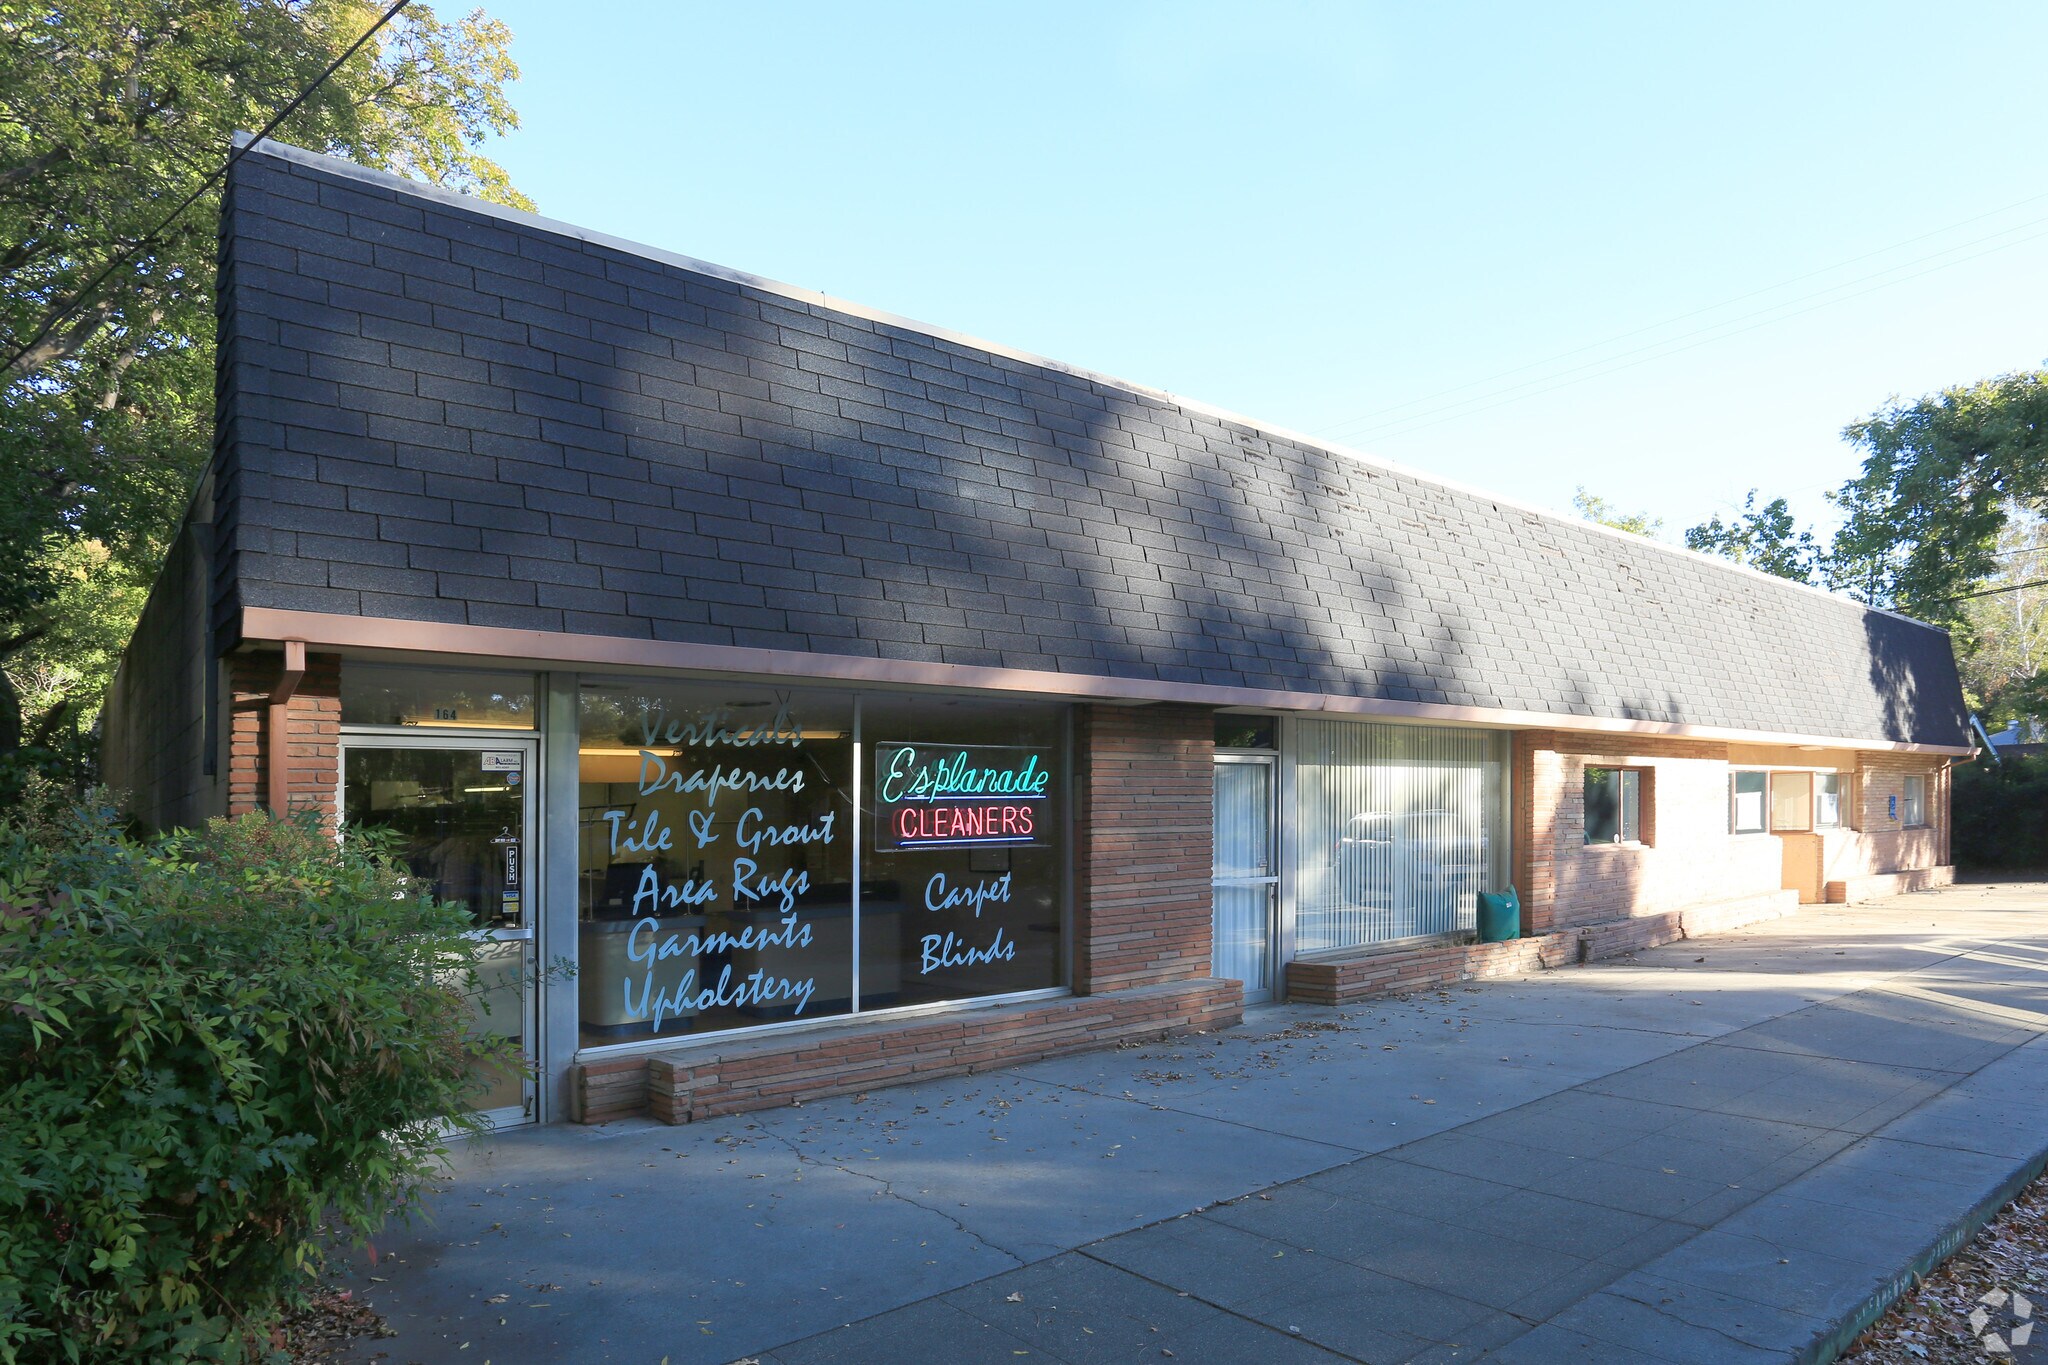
x=966 y=809
x=444 y=698
x=716 y=859
x=726 y=883
x=1398 y=828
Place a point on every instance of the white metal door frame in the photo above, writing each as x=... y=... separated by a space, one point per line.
x=1265 y=990
x=528 y=745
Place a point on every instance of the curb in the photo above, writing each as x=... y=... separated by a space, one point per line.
x=1837 y=1339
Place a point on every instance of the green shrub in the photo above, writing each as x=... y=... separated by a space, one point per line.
x=211 y=1043
x=2001 y=814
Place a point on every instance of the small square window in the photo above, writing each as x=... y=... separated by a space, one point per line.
x=1746 y=810
x=1913 y=808
x=1614 y=806
x=1792 y=801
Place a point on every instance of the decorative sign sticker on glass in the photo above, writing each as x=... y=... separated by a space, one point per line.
x=726 y=883
x=717 y=866
x=960 y=796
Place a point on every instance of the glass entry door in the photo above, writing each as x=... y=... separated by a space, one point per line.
x=1246 y=880
x=465 y=823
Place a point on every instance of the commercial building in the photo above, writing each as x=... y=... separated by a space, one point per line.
x=853 y=701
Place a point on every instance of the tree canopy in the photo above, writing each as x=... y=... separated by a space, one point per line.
x=1764 y=538
x=1944 y=522
x=111 y=113
x=1942 y=479
x=1600 y=510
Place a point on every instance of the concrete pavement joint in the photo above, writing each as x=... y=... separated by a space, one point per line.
x=1211 y=1303
x=888 y=1189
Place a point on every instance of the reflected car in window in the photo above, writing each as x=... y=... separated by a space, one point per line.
x=1377 y=850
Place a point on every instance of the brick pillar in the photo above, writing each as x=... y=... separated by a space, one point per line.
x=1144 y=821
x=1939 y=787
x=313 y=732
x=1539 y=788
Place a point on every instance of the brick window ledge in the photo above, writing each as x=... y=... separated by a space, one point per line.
x=705 y=1080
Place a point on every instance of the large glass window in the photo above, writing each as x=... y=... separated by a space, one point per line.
x=965 y=810
x=726 y=883
x=1398 y=828
x=717 y=857
x=1746 y=795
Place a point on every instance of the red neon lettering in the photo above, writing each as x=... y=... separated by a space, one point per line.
x=966 y=820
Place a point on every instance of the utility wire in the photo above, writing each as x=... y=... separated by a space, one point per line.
x=1355 y=432
x=1993 y=592
x=1626 y=360
x=1697 y=312
x=149 y=238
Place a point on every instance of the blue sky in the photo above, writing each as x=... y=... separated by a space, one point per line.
x=1663 y=251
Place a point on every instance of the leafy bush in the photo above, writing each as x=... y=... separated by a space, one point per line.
x=2001 y=814
x=211 y=1042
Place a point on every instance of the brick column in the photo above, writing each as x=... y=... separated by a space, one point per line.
x=1144 y=821
x=1538 y=791
x=312 y=754
x=1940 y=788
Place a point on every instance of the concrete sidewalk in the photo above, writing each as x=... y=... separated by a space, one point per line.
x=1728 y=1149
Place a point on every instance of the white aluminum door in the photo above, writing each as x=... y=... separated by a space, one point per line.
x=463 y=811
x=1246 y=881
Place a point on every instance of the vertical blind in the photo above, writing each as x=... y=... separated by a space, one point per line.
x=1398 y=828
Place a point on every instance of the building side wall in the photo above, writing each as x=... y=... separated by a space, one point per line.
x=1879 y=843
x=153 y=725
x=1687 y=857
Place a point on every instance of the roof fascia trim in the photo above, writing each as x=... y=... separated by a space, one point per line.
x=322 y=630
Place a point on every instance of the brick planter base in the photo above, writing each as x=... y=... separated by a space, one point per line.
x=698 y=1082
x=1888 y=884
x=1371 y=972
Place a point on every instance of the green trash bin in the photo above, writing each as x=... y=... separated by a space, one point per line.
x=1500 y=916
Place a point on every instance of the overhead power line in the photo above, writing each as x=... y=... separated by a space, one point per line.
x=1993 y=592
x=150 y=238
x=1350 y=429
x=1720 y=331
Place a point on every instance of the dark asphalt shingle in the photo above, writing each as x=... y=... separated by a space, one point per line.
x=730 y=464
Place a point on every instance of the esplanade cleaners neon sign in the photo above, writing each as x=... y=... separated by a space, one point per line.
x=959 y=795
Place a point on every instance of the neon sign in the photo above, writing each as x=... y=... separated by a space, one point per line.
x=959 y=796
